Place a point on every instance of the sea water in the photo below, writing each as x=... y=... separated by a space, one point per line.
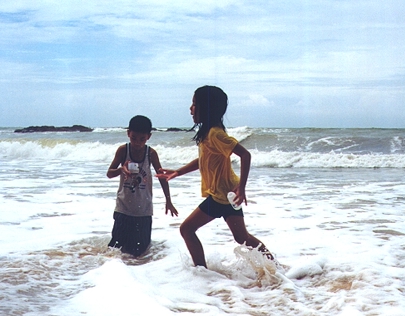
x=328 y=202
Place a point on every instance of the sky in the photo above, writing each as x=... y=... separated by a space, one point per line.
x=320 y=63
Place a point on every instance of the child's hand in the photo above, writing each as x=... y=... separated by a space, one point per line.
x=167 y=174
x=240 y=195
x=125 y=170
x=172 y=209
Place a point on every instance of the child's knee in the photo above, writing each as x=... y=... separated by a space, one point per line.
x=184 y=230
x=187 y=230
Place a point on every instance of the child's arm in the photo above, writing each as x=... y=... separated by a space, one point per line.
x=115 y=170
x=168 y=174
x=164 y=184
x=245 y=158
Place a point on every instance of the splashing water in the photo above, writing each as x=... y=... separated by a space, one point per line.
x=266 y=270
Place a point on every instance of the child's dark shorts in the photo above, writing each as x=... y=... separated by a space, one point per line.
x=217 y=210
x=131 y=233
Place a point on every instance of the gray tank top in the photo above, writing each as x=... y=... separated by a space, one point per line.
x=134 y=196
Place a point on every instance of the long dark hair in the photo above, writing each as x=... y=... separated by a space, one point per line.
x=210 y=106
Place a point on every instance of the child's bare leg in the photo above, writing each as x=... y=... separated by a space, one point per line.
x=238 y=228
x=188 y=230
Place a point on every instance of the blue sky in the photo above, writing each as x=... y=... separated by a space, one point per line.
x=329 y=63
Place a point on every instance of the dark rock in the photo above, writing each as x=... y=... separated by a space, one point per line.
x=176 y=129
x=36 y=129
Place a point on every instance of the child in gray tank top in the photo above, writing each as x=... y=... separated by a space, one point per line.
x=134 y=209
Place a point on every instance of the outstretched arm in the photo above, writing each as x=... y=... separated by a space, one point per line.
x=169 y=174
x=245 y=158
x=165 y=186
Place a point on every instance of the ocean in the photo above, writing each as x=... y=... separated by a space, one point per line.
x=329 y=203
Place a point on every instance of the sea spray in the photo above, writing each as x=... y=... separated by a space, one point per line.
x=265 y=268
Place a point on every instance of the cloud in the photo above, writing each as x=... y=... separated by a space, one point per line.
x=267 y=55
x=257 y=100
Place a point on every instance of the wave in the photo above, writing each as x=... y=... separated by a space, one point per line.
x=326 y=141
x=174 y=156
x=279 y=159
x=240 y=133
x=49 y=149
x=109 y=129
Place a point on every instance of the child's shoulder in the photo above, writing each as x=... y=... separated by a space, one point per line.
x=122 y=149
x=218 y=136
x=152 y=151
x=215 y=130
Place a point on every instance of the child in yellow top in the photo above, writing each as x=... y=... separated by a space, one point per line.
x=217 y=176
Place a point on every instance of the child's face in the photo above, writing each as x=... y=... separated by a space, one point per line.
x=138 y=140
x=193 y=111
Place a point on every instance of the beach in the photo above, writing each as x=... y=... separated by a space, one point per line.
x=328 y=202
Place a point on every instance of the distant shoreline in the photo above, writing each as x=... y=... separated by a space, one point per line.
x=81 y=128
x=44 y=128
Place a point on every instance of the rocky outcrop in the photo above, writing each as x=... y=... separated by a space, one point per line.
x=36 y=129
x=176 y=129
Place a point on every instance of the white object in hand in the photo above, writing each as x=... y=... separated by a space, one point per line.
x=231 y=198
x=133 y=167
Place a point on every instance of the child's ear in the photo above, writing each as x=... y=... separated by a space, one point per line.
x=150 y=134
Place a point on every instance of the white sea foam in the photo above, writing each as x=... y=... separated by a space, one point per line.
x=109 y=130
x=279 y=159
x=96 y=151
x=240 y=133
x=51 y=149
